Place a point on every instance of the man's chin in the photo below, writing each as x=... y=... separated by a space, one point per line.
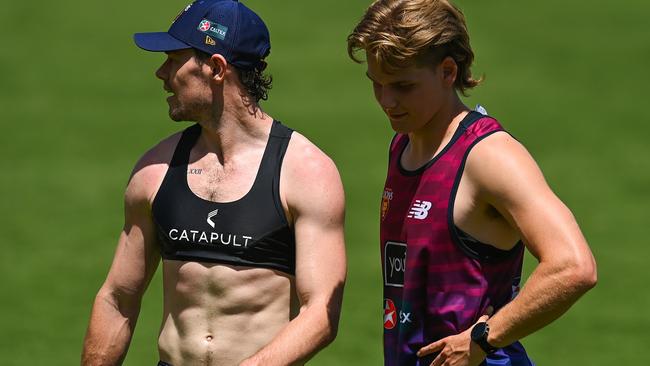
x=177 y=116
x=180 y=113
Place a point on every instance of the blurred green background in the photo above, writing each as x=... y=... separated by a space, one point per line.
x=80 y=104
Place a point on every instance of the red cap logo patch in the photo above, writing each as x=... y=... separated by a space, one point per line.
x=204 y=26
x=390 y=314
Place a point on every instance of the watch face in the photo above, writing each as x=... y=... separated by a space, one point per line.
x=479 y=330
x=479 y=335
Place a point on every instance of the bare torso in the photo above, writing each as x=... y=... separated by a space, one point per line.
x=219 y=314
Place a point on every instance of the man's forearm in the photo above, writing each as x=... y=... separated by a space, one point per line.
x=314 y=328
x=108 y=336
x=549 y=292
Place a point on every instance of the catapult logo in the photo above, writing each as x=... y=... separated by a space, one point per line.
x=210 y=237
x=210 y=216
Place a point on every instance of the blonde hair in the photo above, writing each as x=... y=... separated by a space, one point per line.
x=403 y=33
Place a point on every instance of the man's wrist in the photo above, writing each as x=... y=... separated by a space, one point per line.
x=494 y=338
x=480 y=335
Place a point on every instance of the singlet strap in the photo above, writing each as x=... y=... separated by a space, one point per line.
x=271 y=165
x=185 y=143
x=274 y=153
x=469 y=120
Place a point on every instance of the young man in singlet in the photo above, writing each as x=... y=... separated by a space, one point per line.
x=246 y=214
x=462 y=201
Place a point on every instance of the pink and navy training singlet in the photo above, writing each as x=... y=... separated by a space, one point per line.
x=437 y=280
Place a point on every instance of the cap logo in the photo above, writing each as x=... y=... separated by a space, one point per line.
x=210 y=41
x=204 y=25
x=181 y=12
x=213 y=29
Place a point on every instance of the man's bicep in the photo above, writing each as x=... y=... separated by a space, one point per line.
x=137 y=254
x=320 y=261
x=513 y=183
x=319 y=231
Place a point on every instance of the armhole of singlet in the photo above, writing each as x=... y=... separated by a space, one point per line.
x=285 y=138
x=472 y=247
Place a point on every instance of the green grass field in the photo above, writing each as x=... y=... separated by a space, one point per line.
x=80 y=104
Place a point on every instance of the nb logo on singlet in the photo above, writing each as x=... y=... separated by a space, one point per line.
x=210 y=216
x=420 y=210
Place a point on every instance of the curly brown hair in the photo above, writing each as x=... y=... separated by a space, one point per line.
x=402 y=33
x=256 y=83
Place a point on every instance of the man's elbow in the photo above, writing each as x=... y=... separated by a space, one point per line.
x=127 y=303
x=329 y=325
x=590 y=278
x=331 y=331
x=584 y=275
x=328 y=329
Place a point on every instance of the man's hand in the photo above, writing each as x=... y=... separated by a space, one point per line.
x=456 y=350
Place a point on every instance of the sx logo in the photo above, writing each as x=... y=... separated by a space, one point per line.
x=404 y=317
x=391 y=313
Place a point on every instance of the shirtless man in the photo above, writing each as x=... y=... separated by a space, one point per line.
x=246 y=214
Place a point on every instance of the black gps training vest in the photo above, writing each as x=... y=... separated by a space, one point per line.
x=251 y=231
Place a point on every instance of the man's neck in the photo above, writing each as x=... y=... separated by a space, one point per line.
x=429 y=140
x=236 y=128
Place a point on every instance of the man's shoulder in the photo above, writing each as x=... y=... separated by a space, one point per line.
x=310 y=182
x=161 y=153
x=305 y=159
x=149 y=171
x=500 y=149
x=307 y=169
x=500 y=166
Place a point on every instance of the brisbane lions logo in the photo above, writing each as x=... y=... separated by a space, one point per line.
x=385 y=202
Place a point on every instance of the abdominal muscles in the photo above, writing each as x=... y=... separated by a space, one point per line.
x=217 y=314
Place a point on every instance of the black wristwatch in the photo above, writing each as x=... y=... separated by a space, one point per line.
x=480 y=335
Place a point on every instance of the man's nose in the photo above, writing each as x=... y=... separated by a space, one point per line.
x=387 y=99
x=162 y=71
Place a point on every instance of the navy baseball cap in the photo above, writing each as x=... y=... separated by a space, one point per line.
x=226 y=27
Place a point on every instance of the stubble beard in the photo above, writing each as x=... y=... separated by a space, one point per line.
x=179 y=112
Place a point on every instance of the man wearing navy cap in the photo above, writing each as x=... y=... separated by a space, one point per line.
x=246 y=214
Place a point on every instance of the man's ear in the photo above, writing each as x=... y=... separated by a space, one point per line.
x=449 y=70
x=219 y=65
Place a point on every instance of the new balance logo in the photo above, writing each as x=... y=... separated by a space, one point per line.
x=210 y=216
x=420 y=210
